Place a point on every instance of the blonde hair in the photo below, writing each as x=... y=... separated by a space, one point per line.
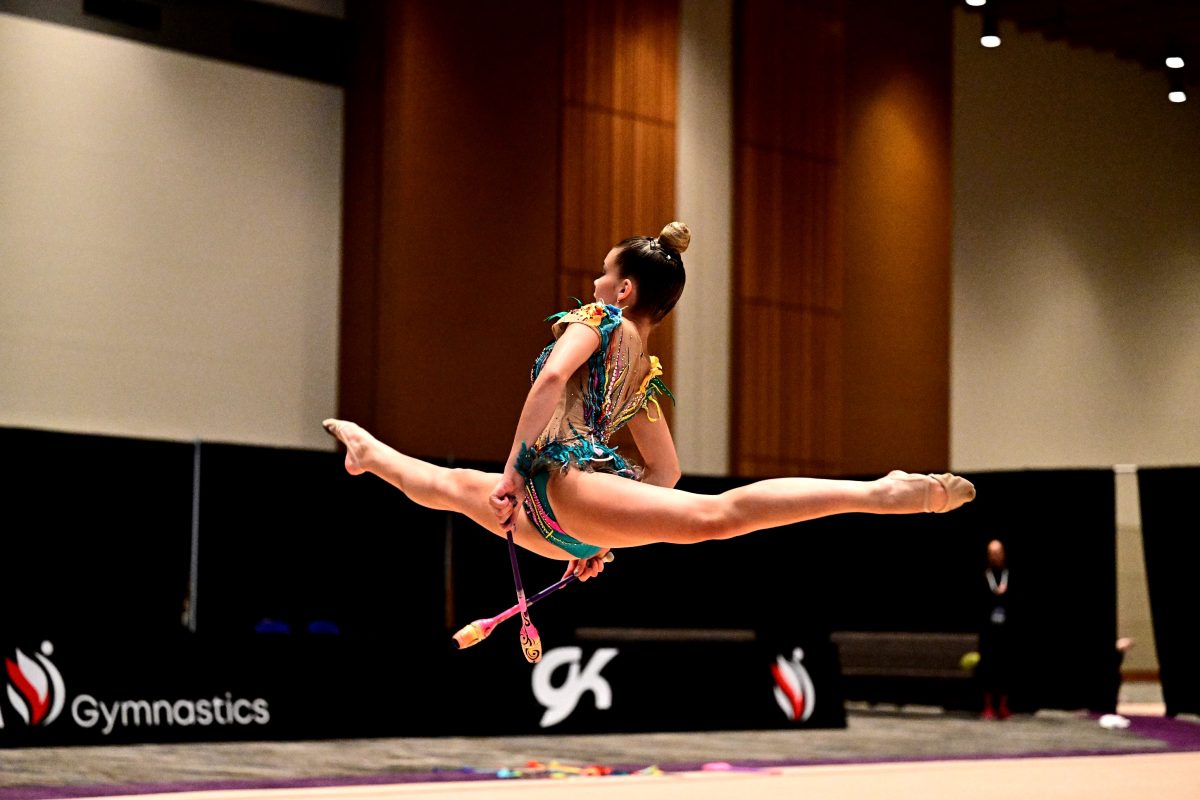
x=676 y=236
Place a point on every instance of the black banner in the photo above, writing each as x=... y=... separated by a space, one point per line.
x=269 y=687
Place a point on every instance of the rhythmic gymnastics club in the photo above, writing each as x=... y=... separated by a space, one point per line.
x=475 y=632
x=531 y=643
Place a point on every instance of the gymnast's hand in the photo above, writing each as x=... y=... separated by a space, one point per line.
x=503 y=500
x=586 y=568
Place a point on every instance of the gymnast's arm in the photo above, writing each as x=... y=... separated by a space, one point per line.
x=573 y=348
x=659 y=459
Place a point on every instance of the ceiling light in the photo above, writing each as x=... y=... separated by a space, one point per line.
x=1177 y=96
x=1177 y=93
x=991 y=31
x=1175 y=62
x=976 y=2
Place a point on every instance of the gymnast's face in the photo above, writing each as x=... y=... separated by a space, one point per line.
x=611 y=288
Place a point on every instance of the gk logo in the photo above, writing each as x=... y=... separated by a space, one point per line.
x=560 y=701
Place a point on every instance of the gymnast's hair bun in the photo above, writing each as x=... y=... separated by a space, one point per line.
x=675 y=236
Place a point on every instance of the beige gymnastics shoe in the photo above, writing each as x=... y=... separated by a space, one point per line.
x=351 y=436
x=959 y=490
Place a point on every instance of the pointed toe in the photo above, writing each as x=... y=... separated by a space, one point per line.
x=959 y=491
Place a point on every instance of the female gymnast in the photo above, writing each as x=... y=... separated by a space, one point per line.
x=578 y=499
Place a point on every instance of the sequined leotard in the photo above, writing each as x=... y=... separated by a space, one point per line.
x=610 y=388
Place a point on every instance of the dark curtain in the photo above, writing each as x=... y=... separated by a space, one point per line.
x=1172 y=549
x=96 y=536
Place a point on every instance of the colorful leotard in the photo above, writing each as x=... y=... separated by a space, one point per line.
x=610 y=388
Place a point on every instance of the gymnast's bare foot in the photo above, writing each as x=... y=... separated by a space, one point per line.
x=930 y=493
x=358 y=443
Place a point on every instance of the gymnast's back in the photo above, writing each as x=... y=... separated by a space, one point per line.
x=616 y=382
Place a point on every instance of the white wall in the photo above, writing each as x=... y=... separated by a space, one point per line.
x=169 y=242
x=1076 y=332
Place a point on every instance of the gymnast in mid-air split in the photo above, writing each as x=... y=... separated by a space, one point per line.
x=580 y=498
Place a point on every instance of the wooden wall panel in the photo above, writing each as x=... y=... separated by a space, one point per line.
x=898 y=243
x=618 y=141
x=788 y=237
x=842 y=231
x=453 y=135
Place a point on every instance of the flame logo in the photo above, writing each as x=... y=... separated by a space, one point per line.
x=794 y=687
x=35 y=686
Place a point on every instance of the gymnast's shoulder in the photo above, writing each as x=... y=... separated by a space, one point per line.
x=597 y=316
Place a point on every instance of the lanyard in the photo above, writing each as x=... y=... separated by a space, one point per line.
x=992 y=581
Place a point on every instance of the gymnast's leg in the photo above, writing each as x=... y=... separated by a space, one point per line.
x=462 y=490
x=609 y=511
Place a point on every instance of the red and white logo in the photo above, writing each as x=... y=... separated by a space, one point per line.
x=34 y=686
x=793 y=687
x=35 y=691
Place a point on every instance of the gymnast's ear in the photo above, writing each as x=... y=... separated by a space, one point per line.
x=624 y=290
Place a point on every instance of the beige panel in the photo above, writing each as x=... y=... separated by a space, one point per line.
x=702 y=368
